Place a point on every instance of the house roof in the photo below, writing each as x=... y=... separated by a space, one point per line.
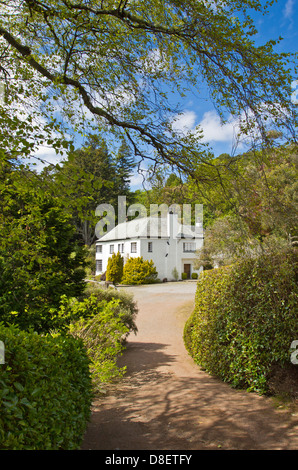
x=147 y=227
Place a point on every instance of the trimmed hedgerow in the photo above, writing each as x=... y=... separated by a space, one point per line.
x=245 y=319
x=45 y=391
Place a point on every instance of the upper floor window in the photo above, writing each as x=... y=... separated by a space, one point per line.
x=150 y=247
x=133 y=247
x=111 y=249
x=98 y=248
x=189 y=247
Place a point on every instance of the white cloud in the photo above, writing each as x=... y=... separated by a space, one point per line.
x=216 y=131
x=213 y=129
x=289 y=9
x=184 y=122
x=136 y=180
x=45 y=156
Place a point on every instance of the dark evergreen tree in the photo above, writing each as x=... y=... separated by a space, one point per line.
x=39 y=260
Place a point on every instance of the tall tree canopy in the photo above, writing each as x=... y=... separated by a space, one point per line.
x=88 y=177
x=115 y=63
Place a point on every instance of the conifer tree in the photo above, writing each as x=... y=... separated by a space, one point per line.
x=115 y=268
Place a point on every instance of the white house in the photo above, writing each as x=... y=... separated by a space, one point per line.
x=163 y=240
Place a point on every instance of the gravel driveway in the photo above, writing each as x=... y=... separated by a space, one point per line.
x=165 y=401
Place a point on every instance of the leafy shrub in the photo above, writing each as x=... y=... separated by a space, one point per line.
x=126 y=306
x=175 y=274
x=100 y=326
x=194 y=275
x=45 y=391
x=115 y=268
x=245 y=319
x=139 y=271
x=184 y=276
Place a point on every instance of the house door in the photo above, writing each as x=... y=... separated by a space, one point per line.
x=187 y=270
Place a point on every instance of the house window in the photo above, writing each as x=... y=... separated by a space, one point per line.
x=111 y=249
x=150 y=247
x=122 y=247
x=99 y=265
x=119 y=247
x=98 y=248
x=133 y=247
x=189 y=247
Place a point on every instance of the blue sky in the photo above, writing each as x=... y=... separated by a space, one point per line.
x=282 y=20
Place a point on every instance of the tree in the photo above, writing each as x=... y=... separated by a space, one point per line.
x=124 y=168
x=88 y=177
x=107 y=65
x=257 y=211
x=39 y=259
x=115 y=268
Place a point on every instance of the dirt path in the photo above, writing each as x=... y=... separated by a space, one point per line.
x=166 y=402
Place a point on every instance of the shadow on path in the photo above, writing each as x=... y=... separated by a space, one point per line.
x=154 y=409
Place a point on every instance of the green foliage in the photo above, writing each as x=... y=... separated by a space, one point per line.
x=184 y=276
x=88 y=177
x=125 y=164
x=45 y=392
x=194 y=275
x=44 y=65
x=102 y=329
x=245 y=319
x=139 y=271
x=39 y=259
x=115 y=268
x=175 y=274
x=127 y=305
x=90 y=262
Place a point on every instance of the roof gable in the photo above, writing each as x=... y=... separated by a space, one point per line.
x=147 y=227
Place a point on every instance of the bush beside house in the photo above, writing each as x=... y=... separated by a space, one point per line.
x=115 y=268
x=139 y=271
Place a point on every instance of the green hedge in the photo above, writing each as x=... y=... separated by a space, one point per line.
x=45 y=391
x=245 y=319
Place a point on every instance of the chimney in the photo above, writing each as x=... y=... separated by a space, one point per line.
x=172 y=224
x=199 y=231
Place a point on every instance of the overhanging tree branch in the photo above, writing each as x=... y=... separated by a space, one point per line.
x=100 y=50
